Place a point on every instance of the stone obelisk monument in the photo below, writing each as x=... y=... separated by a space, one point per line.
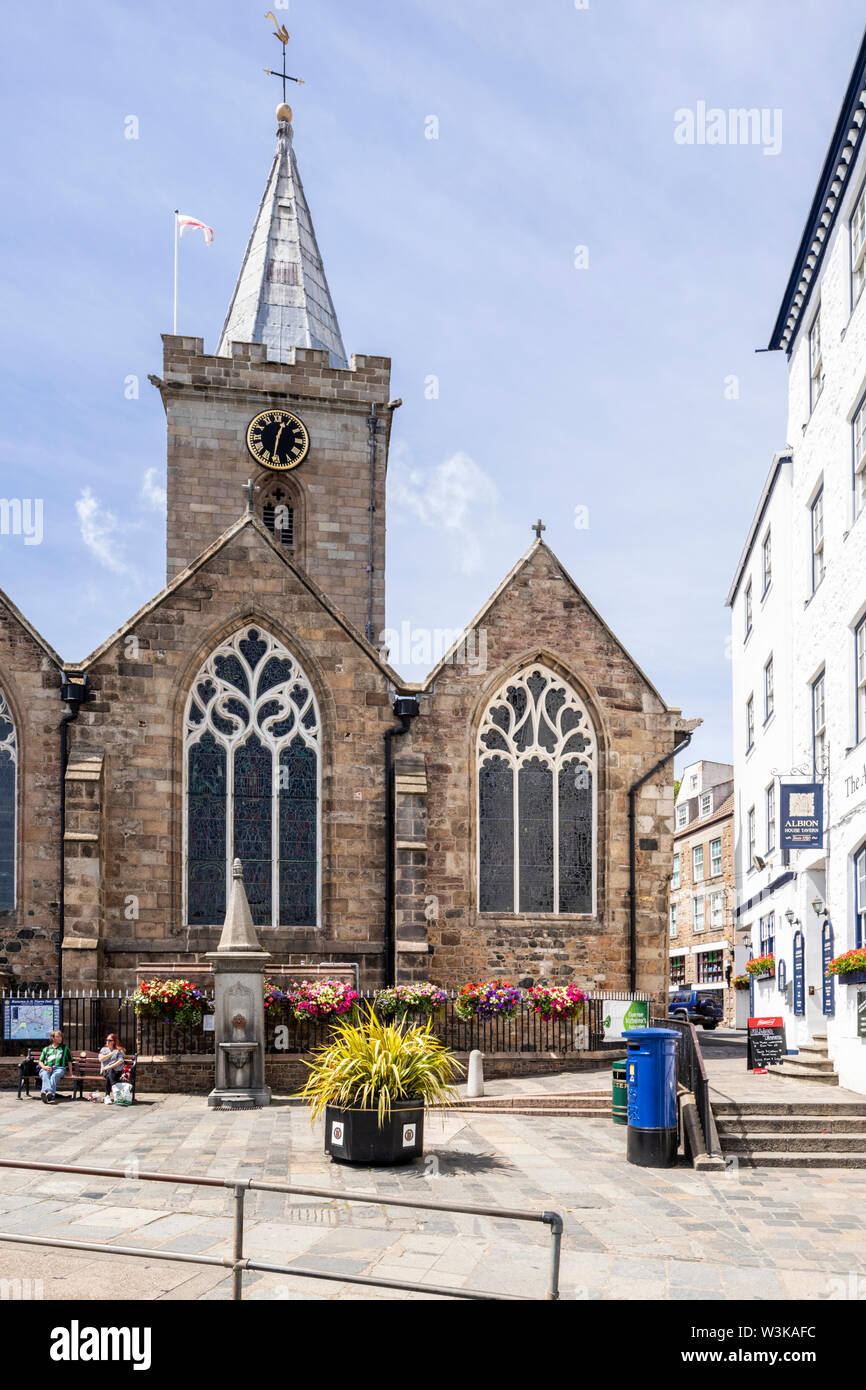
x=239 y=1023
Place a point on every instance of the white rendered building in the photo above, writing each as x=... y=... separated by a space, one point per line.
x=798 y=605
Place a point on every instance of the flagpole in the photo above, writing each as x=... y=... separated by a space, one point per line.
x=175 y=271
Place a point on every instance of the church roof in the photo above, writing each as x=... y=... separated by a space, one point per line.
x=282 y=297
x=28 y=627
x=539 y=547
x=247 y=519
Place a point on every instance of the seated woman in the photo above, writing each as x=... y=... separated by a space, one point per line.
x=53 y=1063
x=111 y=1059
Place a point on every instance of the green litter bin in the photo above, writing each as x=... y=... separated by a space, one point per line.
x=620 y=1094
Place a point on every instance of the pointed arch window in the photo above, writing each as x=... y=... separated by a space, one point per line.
x=252 y=739
x=8 y=806
x=537 y=798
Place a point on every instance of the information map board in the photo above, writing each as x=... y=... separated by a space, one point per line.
x=767 y=1045
x=30 y=1020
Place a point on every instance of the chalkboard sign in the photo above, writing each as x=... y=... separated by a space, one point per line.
x=861 y=1013
x=767 y=1044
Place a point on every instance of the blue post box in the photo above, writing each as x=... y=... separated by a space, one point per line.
x=651 y=1064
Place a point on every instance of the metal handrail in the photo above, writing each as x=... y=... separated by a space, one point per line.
x=692 y=1073
x=237 y=1262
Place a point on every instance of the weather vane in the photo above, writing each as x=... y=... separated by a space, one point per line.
x=281 y=33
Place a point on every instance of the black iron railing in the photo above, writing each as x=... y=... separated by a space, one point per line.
x=86 y=1018
x=691 y=1073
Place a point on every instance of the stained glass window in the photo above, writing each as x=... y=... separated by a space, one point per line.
x=8 y=806
x=252 y=736
x=496 y=834
x=536 y=798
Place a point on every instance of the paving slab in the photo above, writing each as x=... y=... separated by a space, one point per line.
x=631 y=1233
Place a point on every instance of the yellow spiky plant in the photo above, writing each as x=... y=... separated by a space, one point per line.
x=371 y=1064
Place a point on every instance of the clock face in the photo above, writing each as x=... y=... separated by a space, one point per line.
x=278 y=440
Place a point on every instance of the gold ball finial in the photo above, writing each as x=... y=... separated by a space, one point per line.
x=284 y=111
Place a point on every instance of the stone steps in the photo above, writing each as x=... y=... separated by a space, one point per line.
x=563 y=1112
x=804 y=1134
x=811 y=1063
x=757 y=1141
x=582 y=1104
x=820 y=1071
x=769 y=1158
x=739 y=1125
x=724 y=1108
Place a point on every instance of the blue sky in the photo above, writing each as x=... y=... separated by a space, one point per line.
x=602 y=387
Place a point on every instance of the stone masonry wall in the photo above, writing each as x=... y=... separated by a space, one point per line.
x=209 y=402
x=539 y=615
x=133 y=720
x=30 y=681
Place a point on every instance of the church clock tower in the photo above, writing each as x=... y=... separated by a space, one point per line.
x=281 y=404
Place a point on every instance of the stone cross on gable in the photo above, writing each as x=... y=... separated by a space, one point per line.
x=250 y=489
x=538 y=528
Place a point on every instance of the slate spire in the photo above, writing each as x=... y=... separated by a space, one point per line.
x=281 y=297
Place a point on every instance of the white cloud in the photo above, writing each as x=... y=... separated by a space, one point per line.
x=457 y=497
x=103 y=534
x=152 y=494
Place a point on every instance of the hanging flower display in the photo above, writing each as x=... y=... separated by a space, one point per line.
x=849 y=962
x=399 y=1000
x=761 y=965
x=554 y=1001
x=178 y=1002
x=323 y=999
x=496 y=999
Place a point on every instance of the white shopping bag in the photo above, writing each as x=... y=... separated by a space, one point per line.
x=121 y=1093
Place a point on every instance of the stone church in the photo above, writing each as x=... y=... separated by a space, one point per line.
x=507 y=818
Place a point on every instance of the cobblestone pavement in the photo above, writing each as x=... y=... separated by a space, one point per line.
x=630 y=1233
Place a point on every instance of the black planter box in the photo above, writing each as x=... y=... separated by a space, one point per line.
x=852 y=977
x=354 y=1136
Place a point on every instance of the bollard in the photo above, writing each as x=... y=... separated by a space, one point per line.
x=475 y=1077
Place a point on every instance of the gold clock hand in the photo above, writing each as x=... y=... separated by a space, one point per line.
x=277 y=440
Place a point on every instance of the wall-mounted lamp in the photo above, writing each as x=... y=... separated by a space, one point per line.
x=818 y=906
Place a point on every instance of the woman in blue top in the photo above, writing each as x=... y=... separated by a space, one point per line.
x=53 y=1063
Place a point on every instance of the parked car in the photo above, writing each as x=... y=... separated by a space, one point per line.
x=694 y=1007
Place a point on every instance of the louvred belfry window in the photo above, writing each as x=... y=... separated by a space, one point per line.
x=278 y=515
x=251 y=765
x=8 y=806
x=537 y=797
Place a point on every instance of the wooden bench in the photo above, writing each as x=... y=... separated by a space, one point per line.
x=84 y=1067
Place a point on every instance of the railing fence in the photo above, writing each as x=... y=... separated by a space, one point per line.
x=692 y=1073
x=87 y=1016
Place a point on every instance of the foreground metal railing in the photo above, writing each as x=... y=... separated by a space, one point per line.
x=692 y=1074
x=237 y=1262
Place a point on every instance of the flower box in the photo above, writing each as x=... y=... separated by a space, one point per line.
x=850 y=968
x=495 y=999
x=761 y=967
x=410 y=1003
